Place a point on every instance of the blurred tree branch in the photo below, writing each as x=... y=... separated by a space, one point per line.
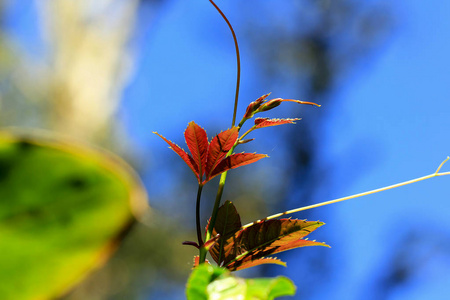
x=75 y=86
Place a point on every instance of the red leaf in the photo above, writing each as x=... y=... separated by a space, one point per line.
x=197 y=142
x=211 y=242
x=234 y=161
x=261 y=261
x=228 y=222
x=267 y=238
x=186 y=157
x=197 y=260
x=210 y=159
x=266 y=122
x=219 y=147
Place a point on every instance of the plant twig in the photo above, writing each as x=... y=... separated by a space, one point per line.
x=215 y=210
x=197 y=215
x=223 y=177
x=435 y=174
x=238 y=61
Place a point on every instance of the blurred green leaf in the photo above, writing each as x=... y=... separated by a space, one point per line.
x=269 y=288
x=199 y=280
x=63 y=209
x=209 y=282
x=229 y=287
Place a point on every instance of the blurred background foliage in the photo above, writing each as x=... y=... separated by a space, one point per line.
x=76 y=68
x=64 y=209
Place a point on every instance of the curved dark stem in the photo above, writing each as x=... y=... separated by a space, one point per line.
x=197 y=215
x=238 y=60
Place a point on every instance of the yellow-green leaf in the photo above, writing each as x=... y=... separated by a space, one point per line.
x=63 y=209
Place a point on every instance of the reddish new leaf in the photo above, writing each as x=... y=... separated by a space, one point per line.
x=197 y=260
x=228 y=222
x=197 y=142
x=211 y=242
x=210 y=158
x=219 y=147
x=266 y=122
x=186 y=157
x=234 y=161
x=260 y=261
x=267 y=238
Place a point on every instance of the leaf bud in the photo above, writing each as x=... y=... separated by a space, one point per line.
x=253 y=106
x=245 y=141
x=271 y=104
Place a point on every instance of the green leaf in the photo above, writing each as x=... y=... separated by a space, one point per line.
x=201 y=277
x=269 y=288
x=64 y=208
x=208 y=282
x=227 y=288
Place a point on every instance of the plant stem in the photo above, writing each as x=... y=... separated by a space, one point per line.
x=247 y=132
x=238 y=61
x=197 y=215
x=223 y=177
x=212 y=221
x=435 y=174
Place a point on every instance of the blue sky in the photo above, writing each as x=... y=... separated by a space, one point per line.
x=390 y=123
x=398 y=111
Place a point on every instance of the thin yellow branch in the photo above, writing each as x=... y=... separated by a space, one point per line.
x=440 y=166
x=435 y=174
